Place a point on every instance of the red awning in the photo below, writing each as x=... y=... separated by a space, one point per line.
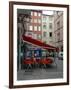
x=37 y=42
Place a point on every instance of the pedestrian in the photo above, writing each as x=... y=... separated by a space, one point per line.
x=55 y=56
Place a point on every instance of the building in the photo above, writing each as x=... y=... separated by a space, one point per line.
x=35 y=28
x=51 y=30
x=58 y=29
x=44 y=28
x=48 y=29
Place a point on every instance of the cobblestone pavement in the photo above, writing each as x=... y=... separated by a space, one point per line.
x=51 y=72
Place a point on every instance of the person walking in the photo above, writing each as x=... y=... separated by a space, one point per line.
x=55 y=57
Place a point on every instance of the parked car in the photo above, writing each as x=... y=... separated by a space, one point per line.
x=60 y=55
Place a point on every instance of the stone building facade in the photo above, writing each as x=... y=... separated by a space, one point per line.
x=58 y=29
x=48 y=29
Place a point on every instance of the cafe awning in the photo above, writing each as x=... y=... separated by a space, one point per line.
x=37 y=43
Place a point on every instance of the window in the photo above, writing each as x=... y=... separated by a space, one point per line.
x=29 y=33
x=58 y=12
x=58 y=35
x=50 y=18
x=31 y=28
x=35 y=20
x=35 y=28
x=44 y=26
x=50 y=25
x=39 y=28
x=31 y=13
x=39 y=14
x=35 y=13
x=44 y=34
x=44 y=17
x=35 y=36
x=50 y=34
x=39 y=36
x=58 y=24
x=39 y=20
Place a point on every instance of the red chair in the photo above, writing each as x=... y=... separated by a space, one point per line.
x=45 y=62
x=28 y=62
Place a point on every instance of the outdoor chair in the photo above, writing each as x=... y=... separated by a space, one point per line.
x=46 y=61
x=29 y=63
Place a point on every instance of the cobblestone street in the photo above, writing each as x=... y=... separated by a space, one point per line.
x=51 y=72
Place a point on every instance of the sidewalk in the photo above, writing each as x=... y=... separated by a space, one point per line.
x=50 y=72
